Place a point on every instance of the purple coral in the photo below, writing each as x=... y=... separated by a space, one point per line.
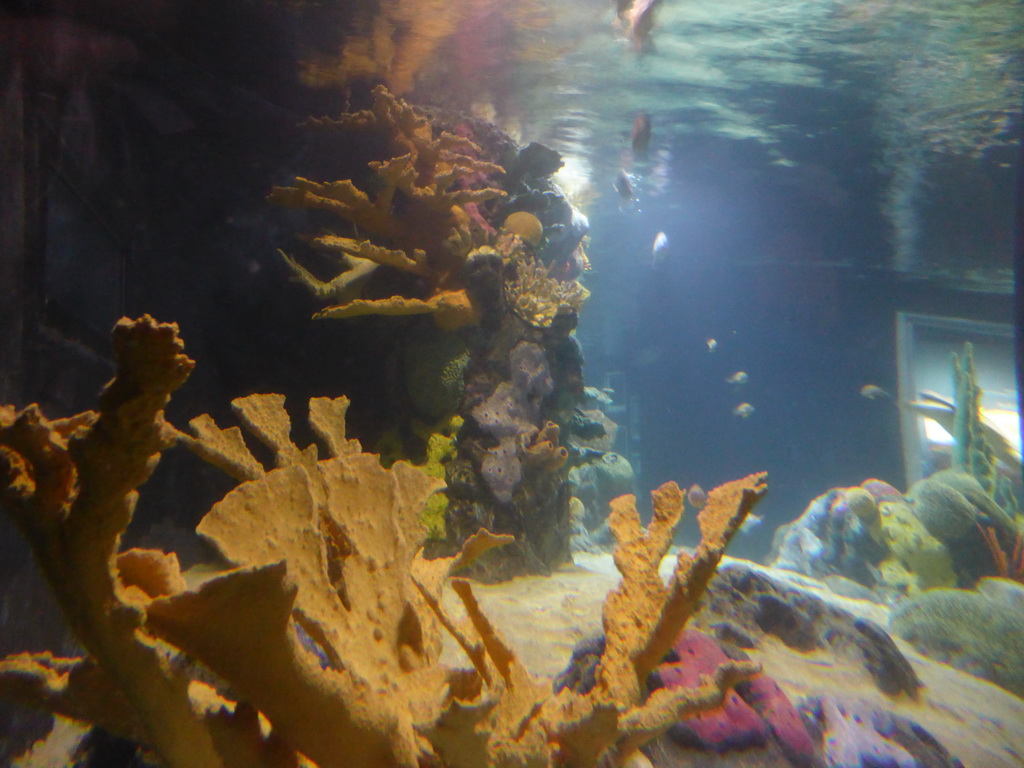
x=852 y=740
x=510 y=412
x=530 y=373
x=770 y=702
x=505 y=413
x=502 y=470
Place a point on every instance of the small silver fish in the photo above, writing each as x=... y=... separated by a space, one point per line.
x=750 y=522
x=740 y=377
x=659 y=247
x=743 y=410
x=873 y=392
x=712 y=345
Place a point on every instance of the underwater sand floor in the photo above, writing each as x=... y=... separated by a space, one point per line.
x=543 y=618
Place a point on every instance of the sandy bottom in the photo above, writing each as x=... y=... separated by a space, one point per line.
x=542 y=618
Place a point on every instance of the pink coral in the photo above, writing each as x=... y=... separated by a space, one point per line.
x=751 y=715
x=771 y=703
x=733 y=725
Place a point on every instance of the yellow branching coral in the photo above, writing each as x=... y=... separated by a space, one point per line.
x=416 y=212
x=533 y=294
x=70 y=486
x=329 y=623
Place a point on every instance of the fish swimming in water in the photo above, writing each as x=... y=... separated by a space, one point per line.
x=738 y=378
x=873 y=392
x=641 y=137
x=696 y=497
x=659 y=247
x=750 y=522
x=712 y=345
x=743 y=410
x=639 y=19
x=623 y=187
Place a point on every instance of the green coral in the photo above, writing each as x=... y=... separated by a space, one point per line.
x=971 y=451
x=433 y=368
x=433 y=516
x=980 y=632
x=441 y=449
x=956 y=510
x=945 y=511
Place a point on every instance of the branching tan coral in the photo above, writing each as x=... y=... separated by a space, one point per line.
x=451 y=309
x=329 y=624
x=643 y=616
x=416 y=214
x=70 y=486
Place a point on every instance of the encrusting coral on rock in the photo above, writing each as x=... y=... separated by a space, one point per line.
x=533 y=294
x=324 y=634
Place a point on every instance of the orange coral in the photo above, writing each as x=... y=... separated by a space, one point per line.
x=543 y=449
x=329 y=624
x=70 y=486
x=1008 y=565
x=426 y=235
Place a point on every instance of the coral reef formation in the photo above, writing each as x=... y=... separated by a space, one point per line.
x=917 y=560
x=324 y=628
x=869 y=719
x=417 y=215
x=755 y=714
x=535 y=295
x=945 y=532
x=427 y=242
x=971 y=452
x=433 y=367
x=973 y=449
x=951 y=505
x=833 y=536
